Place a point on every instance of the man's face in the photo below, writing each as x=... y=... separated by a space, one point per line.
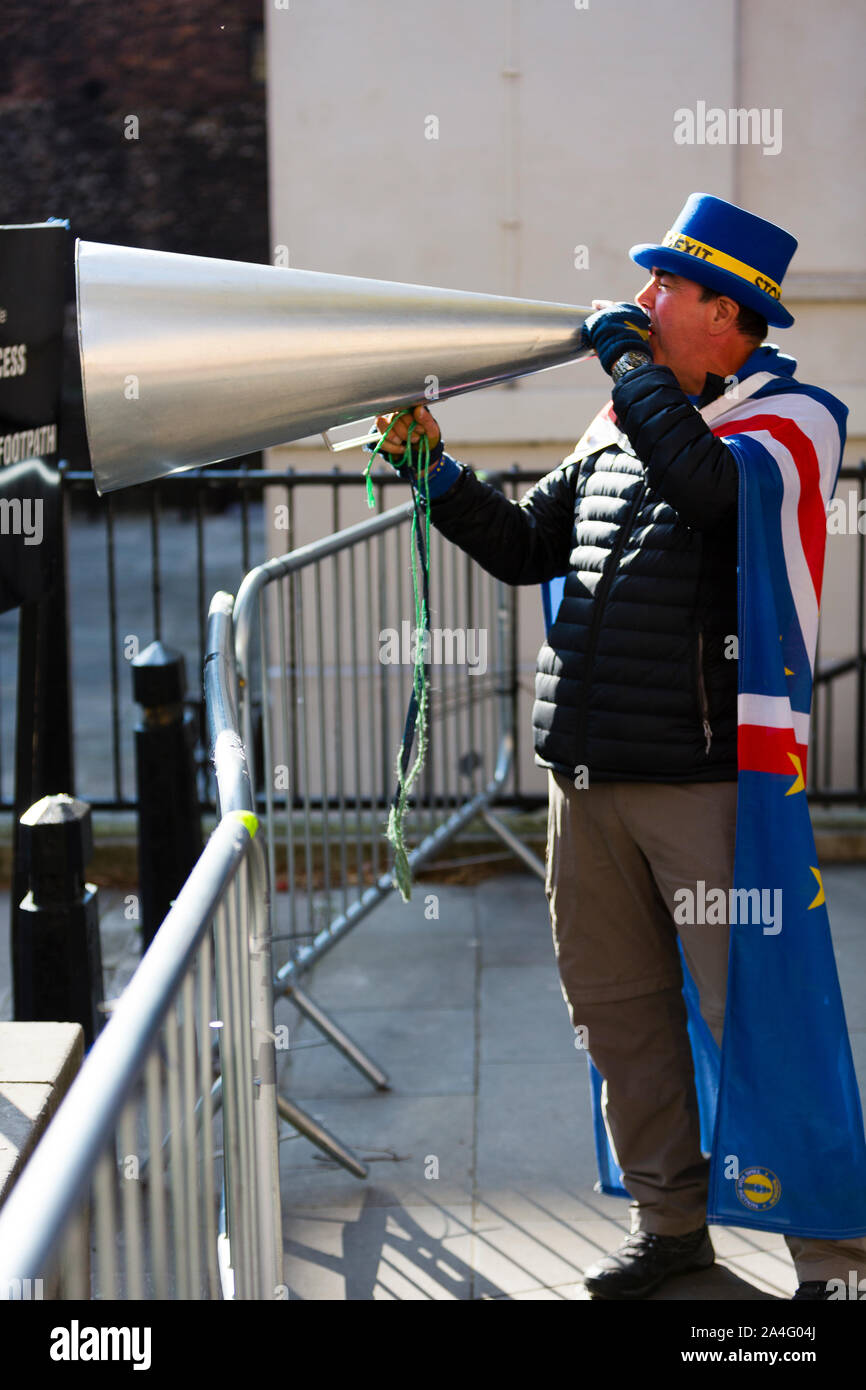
x=679 y=337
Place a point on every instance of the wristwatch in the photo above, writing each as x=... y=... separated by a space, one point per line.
x=627 y=361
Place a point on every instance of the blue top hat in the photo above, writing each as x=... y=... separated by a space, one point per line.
x=727 y=249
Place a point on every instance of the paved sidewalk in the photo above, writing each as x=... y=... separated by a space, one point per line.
x=481 y=1156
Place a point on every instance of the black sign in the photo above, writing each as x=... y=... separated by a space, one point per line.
x=32 y=290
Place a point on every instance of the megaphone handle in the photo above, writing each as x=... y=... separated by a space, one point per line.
x=338 y=445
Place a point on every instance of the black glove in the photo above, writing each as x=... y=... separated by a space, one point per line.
x=611 y=332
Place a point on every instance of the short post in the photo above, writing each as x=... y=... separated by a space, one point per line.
x=169 y=821
x=58 y=957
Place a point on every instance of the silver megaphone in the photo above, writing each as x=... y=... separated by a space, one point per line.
x=187 y=360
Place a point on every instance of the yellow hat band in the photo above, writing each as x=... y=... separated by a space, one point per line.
x=708 y=255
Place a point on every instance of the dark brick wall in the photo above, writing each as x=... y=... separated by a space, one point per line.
x=195 y=180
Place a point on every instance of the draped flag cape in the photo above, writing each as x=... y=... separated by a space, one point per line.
x=779 y=1106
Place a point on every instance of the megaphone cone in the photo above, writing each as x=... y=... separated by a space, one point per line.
x=188 y=361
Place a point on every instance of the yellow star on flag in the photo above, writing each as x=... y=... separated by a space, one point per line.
x=819 y=896
x=800 y=784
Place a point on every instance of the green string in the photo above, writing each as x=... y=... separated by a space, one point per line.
x=395 y=833
x=371 y=499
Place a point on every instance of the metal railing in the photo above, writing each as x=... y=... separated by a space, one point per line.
x=326 y=632
x=314 y=638
x=143 y=565
x=135 y=1142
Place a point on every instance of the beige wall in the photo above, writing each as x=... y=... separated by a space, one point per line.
x=556 y=130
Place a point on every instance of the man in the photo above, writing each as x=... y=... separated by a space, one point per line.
x=636 y=714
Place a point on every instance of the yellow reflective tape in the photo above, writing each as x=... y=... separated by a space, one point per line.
x=246 y=819
x=709 y=255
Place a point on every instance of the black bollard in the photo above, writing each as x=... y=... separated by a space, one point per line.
x=169 y=822
x=58 y=957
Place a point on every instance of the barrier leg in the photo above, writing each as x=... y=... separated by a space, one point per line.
x=516 y=846
x=317 y=1134
x=338 y=1037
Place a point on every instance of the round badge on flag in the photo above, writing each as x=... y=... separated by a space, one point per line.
x=758 y=1188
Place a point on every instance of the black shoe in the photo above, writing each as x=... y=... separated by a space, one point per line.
x=645 y=1260
x=815 y=1290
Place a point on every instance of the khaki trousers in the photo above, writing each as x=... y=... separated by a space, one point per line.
x=617 y=852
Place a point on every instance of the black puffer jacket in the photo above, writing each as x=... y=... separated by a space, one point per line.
x=633 y=682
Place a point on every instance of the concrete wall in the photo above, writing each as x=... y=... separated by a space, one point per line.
x=553 y=129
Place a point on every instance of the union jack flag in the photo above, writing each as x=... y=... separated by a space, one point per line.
x=798 y=435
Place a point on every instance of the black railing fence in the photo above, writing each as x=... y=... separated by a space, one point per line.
x=143 y=564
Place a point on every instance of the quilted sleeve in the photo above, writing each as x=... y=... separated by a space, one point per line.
x=687 y=466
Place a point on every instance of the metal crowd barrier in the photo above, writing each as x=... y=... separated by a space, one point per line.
x=135 y=1143
x=162 y=596
x=308 y=675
